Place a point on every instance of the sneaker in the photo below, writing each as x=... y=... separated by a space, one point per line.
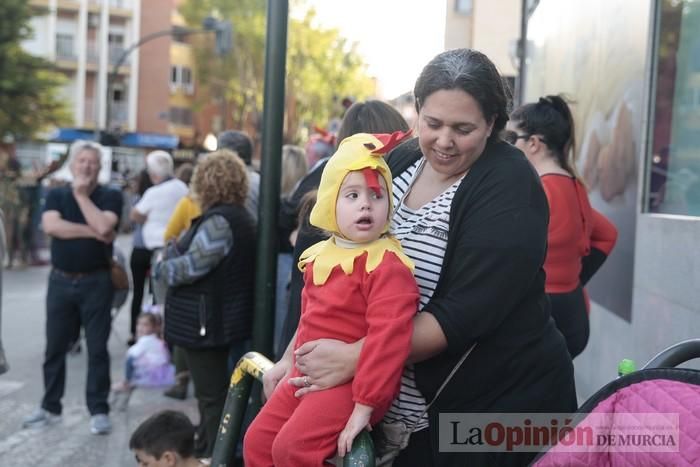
x=100 y=424
x=40 y=417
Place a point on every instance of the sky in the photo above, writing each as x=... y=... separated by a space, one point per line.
x=395 y=37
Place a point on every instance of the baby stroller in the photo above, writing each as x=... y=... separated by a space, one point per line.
x=660 y=391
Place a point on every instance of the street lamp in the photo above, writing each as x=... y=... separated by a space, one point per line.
x=224 y=44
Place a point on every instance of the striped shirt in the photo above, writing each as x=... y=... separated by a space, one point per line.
x=423 y=235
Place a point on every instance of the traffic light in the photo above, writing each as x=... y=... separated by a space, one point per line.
x=224 y=38
x=224 y=34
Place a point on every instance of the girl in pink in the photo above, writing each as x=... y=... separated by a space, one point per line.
x=148 y=360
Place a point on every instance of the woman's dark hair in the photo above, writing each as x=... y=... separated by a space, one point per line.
x=165 y=431
x=306 y=204
x=184 y=172
x=143 y=182
x=238 y=142
x=551 y=118
x=472 y=72
x=371 y=116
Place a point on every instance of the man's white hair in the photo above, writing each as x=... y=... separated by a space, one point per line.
x=80 y=145
x=159 y=164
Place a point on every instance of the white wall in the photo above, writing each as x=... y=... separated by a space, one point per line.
x=38 y=44
x=496 y=26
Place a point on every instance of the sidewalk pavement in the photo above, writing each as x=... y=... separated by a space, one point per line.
x=68 y=443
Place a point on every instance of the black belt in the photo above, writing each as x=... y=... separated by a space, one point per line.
x=76 y=275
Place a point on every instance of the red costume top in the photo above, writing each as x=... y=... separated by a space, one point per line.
x=379 y=305
x=574 y=228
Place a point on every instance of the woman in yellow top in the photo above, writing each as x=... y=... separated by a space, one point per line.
x=186 y=210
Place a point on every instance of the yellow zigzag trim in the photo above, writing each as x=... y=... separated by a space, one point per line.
x=326 y=255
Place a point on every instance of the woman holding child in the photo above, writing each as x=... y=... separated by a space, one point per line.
x=470 y=212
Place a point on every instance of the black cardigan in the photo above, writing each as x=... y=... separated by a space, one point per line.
x=491 y=290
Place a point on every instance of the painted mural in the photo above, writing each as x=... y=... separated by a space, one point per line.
x=595 y=52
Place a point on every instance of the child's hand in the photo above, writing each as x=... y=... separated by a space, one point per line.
x=359 y=420
x=274 y=375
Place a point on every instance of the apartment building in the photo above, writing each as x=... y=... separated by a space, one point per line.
x=107 y=86
x=182 y=85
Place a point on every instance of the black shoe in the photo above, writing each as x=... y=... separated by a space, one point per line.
x=176 y=391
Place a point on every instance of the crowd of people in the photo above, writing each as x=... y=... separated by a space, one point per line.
x=444 y=272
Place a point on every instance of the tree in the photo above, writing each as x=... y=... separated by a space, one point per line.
x=29 y=99
x=321 y=66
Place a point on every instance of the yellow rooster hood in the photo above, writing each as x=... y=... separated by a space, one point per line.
x=355 y=153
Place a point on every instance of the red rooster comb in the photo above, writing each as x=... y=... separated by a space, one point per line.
x=390 y=140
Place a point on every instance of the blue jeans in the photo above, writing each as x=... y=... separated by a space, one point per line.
x=129 y=369
x=70 y=303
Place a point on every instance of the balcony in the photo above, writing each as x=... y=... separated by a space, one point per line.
x=93 y=52
x=121 y=4
x=118 y=110
x=89 y=111
x=115 y=53
x=118 y=113
x=116 y=7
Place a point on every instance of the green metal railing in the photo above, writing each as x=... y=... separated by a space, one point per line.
x=252 y=366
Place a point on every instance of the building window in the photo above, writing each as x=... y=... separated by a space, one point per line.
x=115 y=39
x=673 y=168
x=186 y=80
x=180 y=116
x=115 y=42
x=174 y=78
x=64 y=46
x=181 y=77
x=463 y=7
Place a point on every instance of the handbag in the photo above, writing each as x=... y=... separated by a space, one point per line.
x=392 y=437
x=120 y=279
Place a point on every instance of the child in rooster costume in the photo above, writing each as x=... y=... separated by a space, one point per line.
x=358 y=284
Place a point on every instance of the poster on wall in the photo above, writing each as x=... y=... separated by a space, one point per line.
x=595 y=53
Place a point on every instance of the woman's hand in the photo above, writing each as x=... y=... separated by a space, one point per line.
x=326 y=363
x=277 y=373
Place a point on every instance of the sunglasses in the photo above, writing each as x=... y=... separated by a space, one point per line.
x=510 y=136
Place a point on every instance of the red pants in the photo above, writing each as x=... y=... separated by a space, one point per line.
x=293 y=432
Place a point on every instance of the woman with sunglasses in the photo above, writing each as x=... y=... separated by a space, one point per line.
x=579 y=237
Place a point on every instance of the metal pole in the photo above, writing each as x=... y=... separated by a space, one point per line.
x=522 y=51
x=273 y=118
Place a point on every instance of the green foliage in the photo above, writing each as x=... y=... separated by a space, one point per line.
x=29 y=99
x=321 y=66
